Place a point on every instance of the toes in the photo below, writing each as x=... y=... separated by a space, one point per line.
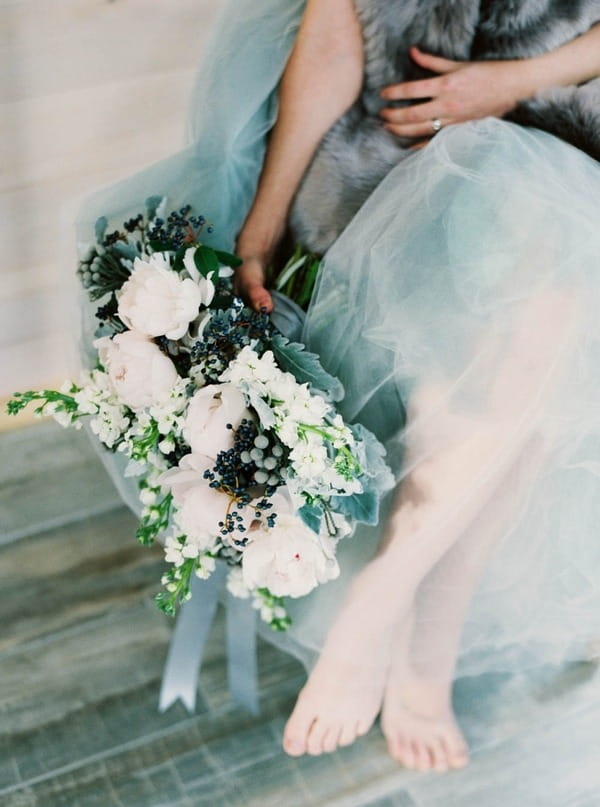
x=423 y=760
x=457 y=753
x=330 y=740
x=397 y=749
x=297 y=730
x=363 y=727
x=347 y=734
x=316 y=737
x=408 y=759
x=439 y=755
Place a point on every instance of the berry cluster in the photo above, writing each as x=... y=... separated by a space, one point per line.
x=241 y=472
x=225 y=336
x=267 y=458
x=178 y=229
x=101 y=271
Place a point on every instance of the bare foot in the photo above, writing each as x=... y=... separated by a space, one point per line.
x=419 y=724
x=344 y=692
x=250 y=285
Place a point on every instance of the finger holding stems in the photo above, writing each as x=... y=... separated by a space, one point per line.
x=461 y=91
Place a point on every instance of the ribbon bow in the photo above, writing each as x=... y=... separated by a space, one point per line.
x=184 y=658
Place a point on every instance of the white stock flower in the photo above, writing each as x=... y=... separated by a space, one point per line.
x=307 y=408
x=248 y=367
x=205 y=284
x=209 y=411
x=309 y=459
x=155 y=301
x=235 y=583
x=140 y=374
x=289 y=559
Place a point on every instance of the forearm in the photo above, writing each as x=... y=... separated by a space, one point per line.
x=322 y=79
x=574 y=63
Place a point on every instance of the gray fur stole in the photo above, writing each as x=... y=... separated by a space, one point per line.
x=357 y=152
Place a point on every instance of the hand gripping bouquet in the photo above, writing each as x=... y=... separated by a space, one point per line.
x=230 y=427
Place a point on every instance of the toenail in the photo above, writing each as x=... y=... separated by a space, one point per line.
x=294 y=747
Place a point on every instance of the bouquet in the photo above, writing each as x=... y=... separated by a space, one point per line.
x=231 y=428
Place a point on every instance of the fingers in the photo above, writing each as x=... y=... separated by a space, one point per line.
x=437 y=64
x=414 y=121
x=411 y=90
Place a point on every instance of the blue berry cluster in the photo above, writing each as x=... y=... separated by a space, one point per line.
x=178 y=229
x=249 y=468
x=225 y=336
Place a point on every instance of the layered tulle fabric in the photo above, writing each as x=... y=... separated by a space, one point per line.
x=460 y=308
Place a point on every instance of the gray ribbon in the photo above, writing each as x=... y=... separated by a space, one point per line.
x=184 y=659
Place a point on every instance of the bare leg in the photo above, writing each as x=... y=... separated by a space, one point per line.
x=443 y=494
x=321 y=81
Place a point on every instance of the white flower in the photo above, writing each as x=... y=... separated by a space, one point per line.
x=205 y=284
x=140 y=374
x=307 y=408
x=290 y=559
x=206 y=566
x=236 y=585
x=155 y=301
x=248 y=367
x=210 y=410
x=200 y=508
x=309 y=459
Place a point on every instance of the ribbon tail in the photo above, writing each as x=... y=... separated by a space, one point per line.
x=242 y=666
x=180 y=676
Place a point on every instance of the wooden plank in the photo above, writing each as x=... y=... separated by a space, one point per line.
x=49 y=477
x=46 y=48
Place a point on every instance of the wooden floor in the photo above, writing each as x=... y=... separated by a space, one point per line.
x=81 y=652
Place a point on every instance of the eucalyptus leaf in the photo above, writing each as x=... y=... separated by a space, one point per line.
x=262 y=409
x=100 y=228
x=311 y=515
x=363 y=507
x=152 y=205
x=306 y=367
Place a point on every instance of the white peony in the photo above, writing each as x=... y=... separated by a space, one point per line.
x=155 y=301
x=139 y=373
x=200 y=508
x=209 y=412
x=289 y=559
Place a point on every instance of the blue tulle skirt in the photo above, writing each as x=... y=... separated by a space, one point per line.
x=460 y=308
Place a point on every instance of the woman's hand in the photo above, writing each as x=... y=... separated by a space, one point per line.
x=462 y=91
x=249 y=284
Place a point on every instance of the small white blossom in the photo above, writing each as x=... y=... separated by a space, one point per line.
x=236 y=585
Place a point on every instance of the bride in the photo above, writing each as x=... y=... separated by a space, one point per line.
x=458 y=302
x=459 y=293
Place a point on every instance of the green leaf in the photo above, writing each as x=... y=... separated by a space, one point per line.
x=159 y=246
x=206 y=260
x=179 y=256
x=363 y=507
x=100 y=228
x=227 y=259
x=311 y=515
x=306 y=367
x=152 y=204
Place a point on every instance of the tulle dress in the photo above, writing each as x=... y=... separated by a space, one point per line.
x=461 y=310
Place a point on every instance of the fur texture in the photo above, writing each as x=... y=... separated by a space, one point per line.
x=357 y=152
